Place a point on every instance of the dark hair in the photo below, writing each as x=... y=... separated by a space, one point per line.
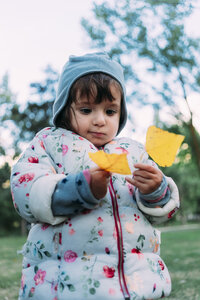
x=93 y=86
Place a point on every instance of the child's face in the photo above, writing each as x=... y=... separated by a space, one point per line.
x=98 y=123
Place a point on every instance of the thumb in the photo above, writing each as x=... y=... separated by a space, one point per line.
x=100 y=171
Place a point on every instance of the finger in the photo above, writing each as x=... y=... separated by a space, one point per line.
x=104 y=174
x=152 y=181
x=101 y=171
x=143 y=174
x=146 y=167
x=144 y=188
x=95 y=169
x=147 y=174
x=137 y=178
x=129 y=180
x=147 y=185
x=108 y=174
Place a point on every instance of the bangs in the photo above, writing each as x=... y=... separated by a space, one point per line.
x=95 y=87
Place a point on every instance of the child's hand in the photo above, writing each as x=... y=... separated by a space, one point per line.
x=99 y=182
x=146 y=178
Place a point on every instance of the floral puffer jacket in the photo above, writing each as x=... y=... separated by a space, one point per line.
x=110 y=252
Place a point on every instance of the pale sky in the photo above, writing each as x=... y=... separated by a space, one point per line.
x=35 y=33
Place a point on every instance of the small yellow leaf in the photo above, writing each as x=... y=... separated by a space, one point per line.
x=162 y=145
x=114 y=163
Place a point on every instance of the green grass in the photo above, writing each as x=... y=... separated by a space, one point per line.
x=10 y=267
x=180 y=251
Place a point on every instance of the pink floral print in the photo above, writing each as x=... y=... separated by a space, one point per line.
x=171 y=213
x=71 y=231
x=138 y=252
x=22 y=281
x=161 y=264
x=31 y=292
x=39 y=277
x=107 y=250
x=70 y=256
x=130 y=188
x=41 y=144
x=44 y=226
x=64 y=149
x=26 y=177
x=122 y=150
x=108 y=272
x=100 y=219
x=100 y=232
x=33 y=160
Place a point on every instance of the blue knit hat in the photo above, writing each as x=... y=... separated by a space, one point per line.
x=76 y=67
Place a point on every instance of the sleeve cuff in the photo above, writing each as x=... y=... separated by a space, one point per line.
x=157 y=198
x=170 y=206
x=72 y=195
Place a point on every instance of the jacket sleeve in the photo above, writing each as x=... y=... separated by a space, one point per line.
x=161 y=213
x=165 y=211
x=72 y=195
x=33 y=182
x=159 y=197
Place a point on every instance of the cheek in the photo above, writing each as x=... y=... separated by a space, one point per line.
x=80 y=124
x=73 y=121
x=117 y=122
x=115 y=125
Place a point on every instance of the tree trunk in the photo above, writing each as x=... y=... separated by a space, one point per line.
x=23 y=227
x=190 y=123
x=195 y=144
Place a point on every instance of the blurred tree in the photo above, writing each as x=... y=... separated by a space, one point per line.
x=161 y=61
x=19 y=125
x=37 y=113
x=185 y=173
x=9 y=220
x=7 y=102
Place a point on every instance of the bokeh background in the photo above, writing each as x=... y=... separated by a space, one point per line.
x=157 y=43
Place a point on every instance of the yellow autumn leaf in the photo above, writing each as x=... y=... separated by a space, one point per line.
x=162 y=145
x=114 y=163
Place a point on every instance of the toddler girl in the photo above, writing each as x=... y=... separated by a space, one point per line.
x=92 y=235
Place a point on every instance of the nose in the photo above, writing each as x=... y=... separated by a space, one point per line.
x=99 y=119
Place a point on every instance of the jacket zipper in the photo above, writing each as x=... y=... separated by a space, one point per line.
x=118 y=227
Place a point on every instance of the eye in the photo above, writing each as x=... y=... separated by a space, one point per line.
x=110 y=112
x=85 y=111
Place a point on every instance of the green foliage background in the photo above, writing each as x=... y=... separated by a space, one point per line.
x=162 y=67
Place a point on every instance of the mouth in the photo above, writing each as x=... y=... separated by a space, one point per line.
x=97 y=134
